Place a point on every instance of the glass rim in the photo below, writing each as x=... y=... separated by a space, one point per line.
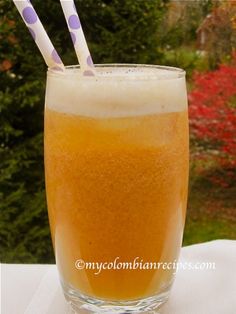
x=180 y=73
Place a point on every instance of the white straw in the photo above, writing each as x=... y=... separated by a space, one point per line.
x=77 y=36
x=39 y=34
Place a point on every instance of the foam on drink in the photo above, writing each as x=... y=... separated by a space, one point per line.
x=113 y=93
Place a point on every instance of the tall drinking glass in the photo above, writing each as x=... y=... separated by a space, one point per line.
x=116 y=162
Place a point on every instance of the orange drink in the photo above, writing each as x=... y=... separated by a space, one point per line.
x=116 y=162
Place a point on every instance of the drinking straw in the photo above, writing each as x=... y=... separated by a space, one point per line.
x=39 y=34
x=78 y=38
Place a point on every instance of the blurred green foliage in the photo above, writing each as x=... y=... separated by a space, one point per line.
x=183 y=30
x=186 y=57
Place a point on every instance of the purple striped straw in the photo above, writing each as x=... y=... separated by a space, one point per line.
x=39 y=34
x=78 y=38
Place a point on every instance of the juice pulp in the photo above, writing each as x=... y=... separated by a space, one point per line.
x=116 y=187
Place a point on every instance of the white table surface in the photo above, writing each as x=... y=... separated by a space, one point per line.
x=35 y=289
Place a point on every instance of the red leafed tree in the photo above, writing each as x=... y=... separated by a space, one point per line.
x=212 y=112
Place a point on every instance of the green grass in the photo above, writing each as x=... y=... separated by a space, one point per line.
x=211 y=212
x=207 y=230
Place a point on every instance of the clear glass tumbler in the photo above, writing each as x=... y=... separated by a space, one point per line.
x=116 y=163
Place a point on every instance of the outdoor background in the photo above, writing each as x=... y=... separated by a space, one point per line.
x=199 y=36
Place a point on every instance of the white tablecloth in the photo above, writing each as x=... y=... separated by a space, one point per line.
x=35 y=289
